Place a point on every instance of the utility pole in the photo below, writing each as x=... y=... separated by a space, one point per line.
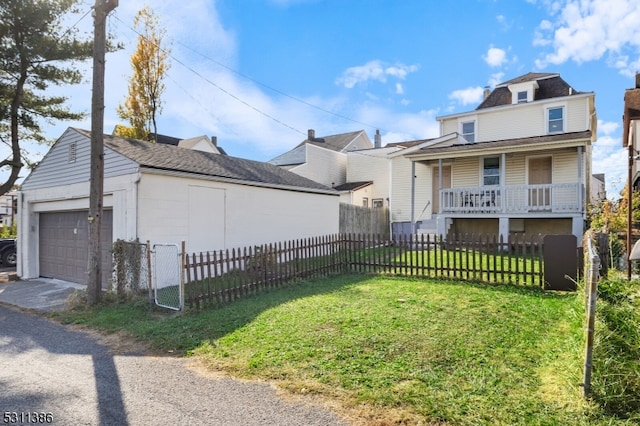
x=96 y=183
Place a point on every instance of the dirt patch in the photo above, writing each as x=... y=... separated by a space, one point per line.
x=120 y=342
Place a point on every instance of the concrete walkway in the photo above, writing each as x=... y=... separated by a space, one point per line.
x=41 y=294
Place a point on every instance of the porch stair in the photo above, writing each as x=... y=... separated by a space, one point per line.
x=428 y=228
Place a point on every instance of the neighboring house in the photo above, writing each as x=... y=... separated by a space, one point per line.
x=199 y=143
x=163 y=194
x=520 y=162
x=368 y=173
x=8 y=207
x=631 y=132
x=598 y=190
x=323 y=159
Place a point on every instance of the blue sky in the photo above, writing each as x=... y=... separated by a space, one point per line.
x=258 y=73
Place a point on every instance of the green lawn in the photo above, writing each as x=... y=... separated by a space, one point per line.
x=392 y=350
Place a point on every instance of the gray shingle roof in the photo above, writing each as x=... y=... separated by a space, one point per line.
x=333 y=142
x=352 y=186
x=169 y=157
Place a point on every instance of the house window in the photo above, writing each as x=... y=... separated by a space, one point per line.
x=556 y=119
x=522 y=97
x=377 y=203
x=469 y=131
x=365 y=202
x=491 y=171
x=72 y=153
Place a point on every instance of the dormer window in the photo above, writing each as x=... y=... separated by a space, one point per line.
x=522 y=97
x=555 y=120
x=469 y=131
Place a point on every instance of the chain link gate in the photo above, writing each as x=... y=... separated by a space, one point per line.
x=167 y=276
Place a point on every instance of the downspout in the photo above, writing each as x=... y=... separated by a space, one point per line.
x=136 y=182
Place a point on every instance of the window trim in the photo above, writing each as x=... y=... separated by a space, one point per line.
x=468 y=120
x=563 y=120
x=521 y=100
x=365 y=202
x=375 y=201
x=482 y=167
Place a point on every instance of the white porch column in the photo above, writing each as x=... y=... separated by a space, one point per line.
x=503 y=228
x=503 y=182
x=413 y=197
x=577 y=228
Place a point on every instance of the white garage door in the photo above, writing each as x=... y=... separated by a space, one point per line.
x=64 y=245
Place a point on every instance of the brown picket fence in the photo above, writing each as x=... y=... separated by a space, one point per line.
x=222 y=276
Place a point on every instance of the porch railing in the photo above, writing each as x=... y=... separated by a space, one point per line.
x=555 y=198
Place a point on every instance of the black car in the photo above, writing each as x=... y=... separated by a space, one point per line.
x=8 y=252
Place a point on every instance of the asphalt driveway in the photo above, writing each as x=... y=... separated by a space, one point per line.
x=50 y=368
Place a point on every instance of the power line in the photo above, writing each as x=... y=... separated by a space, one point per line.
x=198 y=74
x=266 y=86
x=248 y=78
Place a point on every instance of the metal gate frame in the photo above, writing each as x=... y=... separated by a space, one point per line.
x=168 y=277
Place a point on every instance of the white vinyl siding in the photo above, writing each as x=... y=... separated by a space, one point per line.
x=360 y=142
x=565 y=166
x=515 y=172
x=465 y=172
x=449 y=126
x=323 y=166
x=523 y=120
x=401 y=190
x=370 y=165
x=55 y=169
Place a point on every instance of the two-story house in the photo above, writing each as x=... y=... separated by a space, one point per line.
x=519 y=163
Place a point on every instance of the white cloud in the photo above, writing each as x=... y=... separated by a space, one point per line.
x=373 y=70
x=399 y=89
x=586 y=30
x=470 y=95
x=495 y=57
x=607 y=127
x=496 y=79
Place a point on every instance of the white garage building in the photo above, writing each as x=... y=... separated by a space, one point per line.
x=162 y=194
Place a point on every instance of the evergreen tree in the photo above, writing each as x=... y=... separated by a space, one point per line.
x=35 y=53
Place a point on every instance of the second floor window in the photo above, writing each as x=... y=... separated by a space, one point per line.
x=491 y=171
x=469 y=131
x=556 y=120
